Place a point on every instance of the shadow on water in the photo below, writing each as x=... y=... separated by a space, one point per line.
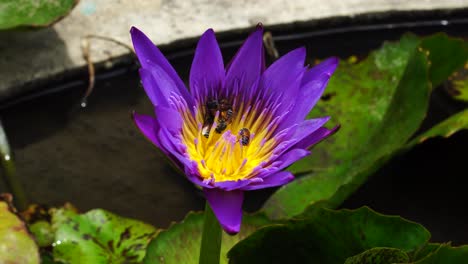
x=94 y=157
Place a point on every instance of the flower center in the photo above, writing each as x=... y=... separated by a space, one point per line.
x=229 y=141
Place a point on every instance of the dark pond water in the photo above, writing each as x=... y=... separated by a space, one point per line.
x=94 y=157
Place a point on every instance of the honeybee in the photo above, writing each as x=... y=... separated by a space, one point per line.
x=206 y=130
x=212 y=106
x=244 y=134
x=225 y=116
x=224 y=105
x=221 y=126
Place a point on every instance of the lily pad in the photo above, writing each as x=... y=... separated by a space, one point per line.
x=15 y=13
x=16 y=243
x=328 y=236
x=379 y=255
x=42 y=231
x=181 y=242
x=446 y=254
x=458 y=85
x=445 y=128
x=380 y=103
x=445 y=54
x=98 y=237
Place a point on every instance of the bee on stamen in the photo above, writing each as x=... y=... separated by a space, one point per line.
x=222 y=125
x=206 y=130
x=226 y=115
x=244 y=134
x=212 y=106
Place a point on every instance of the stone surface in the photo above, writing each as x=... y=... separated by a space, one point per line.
x=29 y=56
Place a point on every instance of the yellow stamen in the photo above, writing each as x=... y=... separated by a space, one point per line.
x=222 y=156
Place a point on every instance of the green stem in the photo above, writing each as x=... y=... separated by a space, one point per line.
x=211 y=238
x=9 y=173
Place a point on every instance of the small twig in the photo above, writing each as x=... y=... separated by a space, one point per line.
x=86 y=50
x=270 y=45
x=118 y=42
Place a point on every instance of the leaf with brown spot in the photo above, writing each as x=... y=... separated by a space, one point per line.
x=98 y=237
x=380 y=103
x=17 y=246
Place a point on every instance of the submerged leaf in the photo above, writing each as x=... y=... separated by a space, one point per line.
x=99 y=236
x=328 y=236
x=181 y=242
x=16 y=243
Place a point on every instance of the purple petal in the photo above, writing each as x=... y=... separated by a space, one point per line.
x=247 y=65
x=148 y=126
x=303 y=130
x=148 y=54
x=313 y=84
x=283 y=78
x=283 y=161
x=292 y=156
x=227 y=207
x=327 y=67
x=231 y=185
x=307 y=127
x=319 y=135
x=174 y=147
x=169 y=118
x=207 y=72
x=158 y=85
x=273 y=180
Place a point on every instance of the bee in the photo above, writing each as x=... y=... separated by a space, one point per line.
x=224 y=105
x=227 y=115
x=244 y=134
x=221 y=126
x=212 y=106
x=206 y=130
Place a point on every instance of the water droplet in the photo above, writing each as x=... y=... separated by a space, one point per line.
x=444 y=22
x=7 y=157
x=84 y=103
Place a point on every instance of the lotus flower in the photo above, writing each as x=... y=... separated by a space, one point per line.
x=238 y=127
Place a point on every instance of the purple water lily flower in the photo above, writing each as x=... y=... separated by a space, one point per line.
x=237 y=128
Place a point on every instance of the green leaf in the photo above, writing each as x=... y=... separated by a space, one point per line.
x=446 y=54
x=181 y=242
x=458 y=86
x=16 y=243
x=379 y=255
x=99 y=236
x=446 y=254
x=380 y=103
x=15 y=13
x=328 y=236
x=43 y=232
x=373 y=101
x=446 y=128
